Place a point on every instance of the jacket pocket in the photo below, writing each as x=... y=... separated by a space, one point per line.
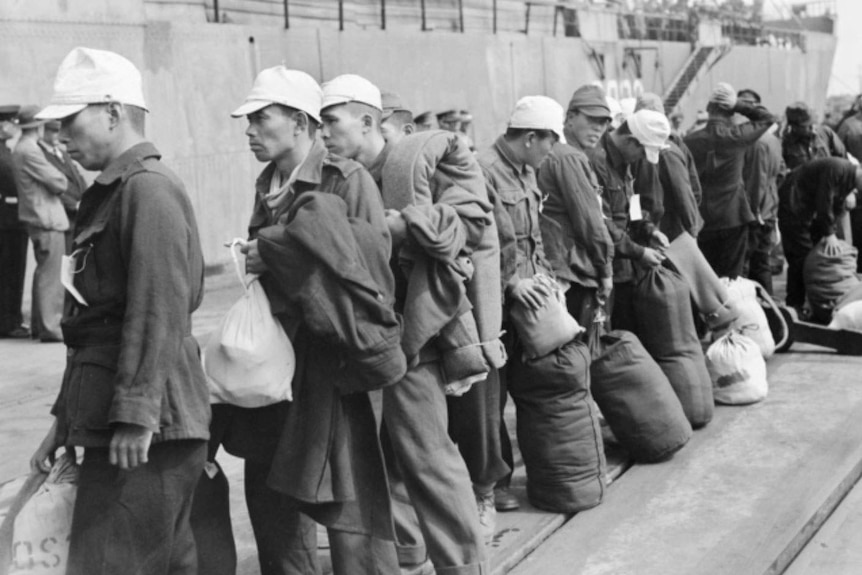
x=92 y=382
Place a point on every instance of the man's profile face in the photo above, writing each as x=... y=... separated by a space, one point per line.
x=8 y=128
x=587 y=130
x=342 y=131
x=51 y=136
x=539 y=149
x=87 y=136
x=271 y=133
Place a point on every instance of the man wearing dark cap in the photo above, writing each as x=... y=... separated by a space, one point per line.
x=60 y=159
x=40 y=186
x=577 y=243
x=804 y=141
x=719 y=154
x=396 y=120
x=13 y=236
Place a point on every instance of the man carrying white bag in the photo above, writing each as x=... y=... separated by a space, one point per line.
x=249 y=360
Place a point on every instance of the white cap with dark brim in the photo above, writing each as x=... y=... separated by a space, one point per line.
x=538 y=113
x=88 y=76
x=351 y=88
x=278 y=85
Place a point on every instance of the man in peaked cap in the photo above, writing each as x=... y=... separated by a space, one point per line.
x=577 y=242
x=13 y=235
x=290 y=447
x=396 y=122
x=134 y=395
x=803 y=140
x=40 y=186
x=58 y=157
x=444 y=527
x=719 y=153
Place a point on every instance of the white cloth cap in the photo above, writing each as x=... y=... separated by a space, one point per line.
x=278 y=85
x=724 y=95
x=87 y=76
x=652 y=130
x=351 y=88
x=538 y=113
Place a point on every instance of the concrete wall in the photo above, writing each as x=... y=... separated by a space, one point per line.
x=196 y=73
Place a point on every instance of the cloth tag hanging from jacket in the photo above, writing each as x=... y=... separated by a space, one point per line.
x=635 y=213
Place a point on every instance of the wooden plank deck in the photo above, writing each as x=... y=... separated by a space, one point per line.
x=744 y=496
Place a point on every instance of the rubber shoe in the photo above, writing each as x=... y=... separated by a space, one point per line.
x=505 y=500
x=487 y=515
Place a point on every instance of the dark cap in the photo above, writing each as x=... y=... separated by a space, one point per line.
x=53 y=125
x=27 y=117
x=449 y=112
x=9 y=112
x=392 y=103
x=590 y=100
x=798 y=114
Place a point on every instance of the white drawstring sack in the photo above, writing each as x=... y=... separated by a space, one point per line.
x=737 y=370
x=848 y=317
x=40 y=542
x=249 y=360
x=752 y=320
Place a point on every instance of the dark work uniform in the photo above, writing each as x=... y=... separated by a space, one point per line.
x=719 y=154
x=132 y=360
x=809 y=202
x=13 y=247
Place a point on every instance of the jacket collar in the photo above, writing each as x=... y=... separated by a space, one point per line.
x=310 y=170
x=376 y=167
x=505 y=150
x=120 y=165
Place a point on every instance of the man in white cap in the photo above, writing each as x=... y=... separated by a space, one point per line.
x=509 y=166
x=719 y=153
x=445 y=526
x=134 y=396
x=284 y=444
x=643 y=134
x=40 y=186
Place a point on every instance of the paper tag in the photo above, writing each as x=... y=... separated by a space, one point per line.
x=67 y=278
x=635 y=213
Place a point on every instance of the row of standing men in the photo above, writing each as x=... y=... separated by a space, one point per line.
x=402 y=477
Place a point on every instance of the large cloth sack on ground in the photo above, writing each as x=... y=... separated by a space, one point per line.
x=752 y=319
x=558 y=430
x=853 y=294
x=551 y=326
x=709 y=295
x=636 y=398
x=737 y=369
x=828 y=278
x=848 y=317
x=40 y=543
x=665 y=326
x=249 y=360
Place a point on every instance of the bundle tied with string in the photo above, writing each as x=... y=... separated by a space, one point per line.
x=751 y=320
x=249 y=361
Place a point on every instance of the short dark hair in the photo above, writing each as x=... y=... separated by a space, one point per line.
x=313 y=124
x=515 y=133
x=137 y=118
x=399 y=118
x=750 y=92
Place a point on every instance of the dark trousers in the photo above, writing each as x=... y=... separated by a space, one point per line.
x=13 y=263
x=856 y=230
x=760 y=242
x=798 y=239
x=474 y=426
x=425 y=465
x=137 y=522
x=725 y=250
x=48 y=293
x=286 y=539
x=621 y=307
